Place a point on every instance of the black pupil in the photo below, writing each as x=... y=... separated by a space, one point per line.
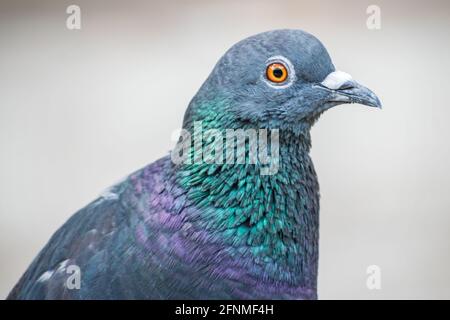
x=278 y=73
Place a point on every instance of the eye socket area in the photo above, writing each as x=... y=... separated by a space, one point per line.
x=277 y=72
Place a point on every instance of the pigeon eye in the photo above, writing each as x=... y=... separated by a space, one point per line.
x=279 y=73
x=276 y=72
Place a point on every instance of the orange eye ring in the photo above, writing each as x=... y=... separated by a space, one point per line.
x=276 y=72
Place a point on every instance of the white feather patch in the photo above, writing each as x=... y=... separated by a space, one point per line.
x=48 y=274
x=45 y=276
x=109 y=194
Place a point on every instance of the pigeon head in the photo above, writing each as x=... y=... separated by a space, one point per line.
x=278 y=79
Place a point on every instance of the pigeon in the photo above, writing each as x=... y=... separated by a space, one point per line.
x=193 y=226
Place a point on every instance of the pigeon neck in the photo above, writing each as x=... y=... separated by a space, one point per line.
x=272 y=218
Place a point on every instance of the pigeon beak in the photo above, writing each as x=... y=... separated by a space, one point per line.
x=346 y=90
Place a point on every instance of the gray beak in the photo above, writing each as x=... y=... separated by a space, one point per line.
x=343 y=89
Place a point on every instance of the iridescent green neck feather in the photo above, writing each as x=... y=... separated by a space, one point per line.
x=273 y=218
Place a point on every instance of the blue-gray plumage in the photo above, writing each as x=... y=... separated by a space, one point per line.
x=213 y=231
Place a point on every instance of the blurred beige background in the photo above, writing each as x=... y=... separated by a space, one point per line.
x=80 y=109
